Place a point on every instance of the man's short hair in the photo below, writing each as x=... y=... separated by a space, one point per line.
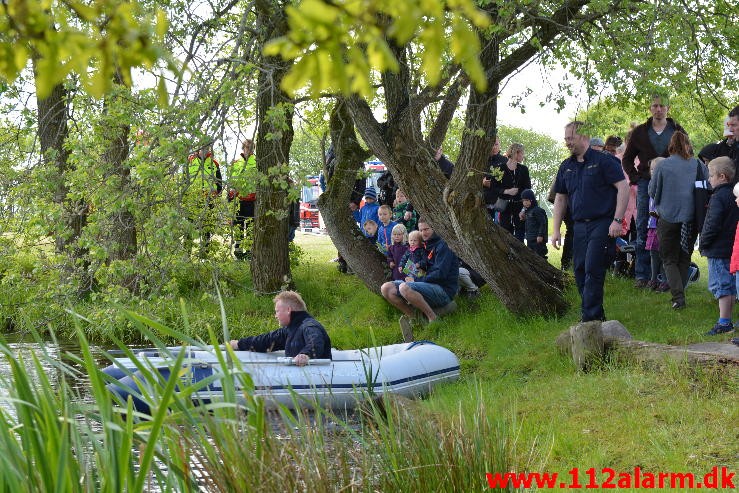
x=581 y=128
x=723 y=165
x=292 y=299
x=663 y=96
x=734 y=113
x=424 y=221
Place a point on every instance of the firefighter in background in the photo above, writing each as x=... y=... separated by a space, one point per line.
x=243 y=185
x=204 y=187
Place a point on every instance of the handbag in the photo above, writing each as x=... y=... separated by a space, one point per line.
x=700 y=200
x=501 y=205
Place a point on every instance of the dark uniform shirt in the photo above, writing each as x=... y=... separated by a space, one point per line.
x=589 y=184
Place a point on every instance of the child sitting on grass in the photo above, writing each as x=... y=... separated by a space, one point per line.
x=717 y=241
x=413 y=265
x=396 y=251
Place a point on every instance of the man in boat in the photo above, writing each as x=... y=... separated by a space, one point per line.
x=300 y=335
x=437 y=288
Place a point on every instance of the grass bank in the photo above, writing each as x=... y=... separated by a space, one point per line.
x=622 y=415
x=518 y=406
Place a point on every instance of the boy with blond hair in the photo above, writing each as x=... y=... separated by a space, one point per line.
x=717 y=241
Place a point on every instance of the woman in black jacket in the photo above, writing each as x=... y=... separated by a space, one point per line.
x=509 y=180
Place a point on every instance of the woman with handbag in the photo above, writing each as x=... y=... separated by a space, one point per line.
x=509 y=180
x=673 y=188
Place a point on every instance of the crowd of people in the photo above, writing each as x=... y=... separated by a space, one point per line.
x=655 y=182
x=648 y=190
x=644 y=190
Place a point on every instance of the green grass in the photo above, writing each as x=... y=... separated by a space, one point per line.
x=673 y=418
x=518 y=405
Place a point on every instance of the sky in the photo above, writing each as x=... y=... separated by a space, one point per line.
x=541 y=119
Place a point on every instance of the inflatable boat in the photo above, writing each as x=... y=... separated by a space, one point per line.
x=409 y=370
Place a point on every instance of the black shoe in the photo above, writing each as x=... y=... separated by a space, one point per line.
x=472 y=294
x=678 y=305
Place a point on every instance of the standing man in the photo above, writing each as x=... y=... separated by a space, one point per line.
x=243 y=184
x=730 y=145
x=496 y=160
x=204 y=187
x=648 y=141
x=592 y=184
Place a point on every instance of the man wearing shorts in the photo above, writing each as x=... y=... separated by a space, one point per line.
x=435 y=290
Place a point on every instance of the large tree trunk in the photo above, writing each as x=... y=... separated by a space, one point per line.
x=364 y=258
x=53 y=113
x=118 y=235
x=525 y=283
x=122 y=238
x=270 y=264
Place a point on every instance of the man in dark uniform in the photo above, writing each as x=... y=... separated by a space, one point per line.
x=592 y=183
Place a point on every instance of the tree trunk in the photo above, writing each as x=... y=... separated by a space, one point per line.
x=122 y=224
x=524 y=282
x=53 y=114
x=270 y=264
x=364 y=258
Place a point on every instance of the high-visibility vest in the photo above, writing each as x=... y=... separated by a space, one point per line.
x=243 y=177
x=203 y=173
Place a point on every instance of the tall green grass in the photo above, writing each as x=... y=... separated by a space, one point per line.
x=54 y=440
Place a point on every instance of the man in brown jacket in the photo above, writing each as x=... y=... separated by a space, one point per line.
x=648 y=141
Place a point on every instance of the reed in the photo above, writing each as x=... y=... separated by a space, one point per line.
x=57 y=440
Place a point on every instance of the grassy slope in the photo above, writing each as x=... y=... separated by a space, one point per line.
x=621 y=416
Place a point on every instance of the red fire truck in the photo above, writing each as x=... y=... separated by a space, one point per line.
x=310 y=218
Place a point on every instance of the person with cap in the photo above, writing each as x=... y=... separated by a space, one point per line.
x=536 y=222
x=592 y=183
x=597 y=144
x=647 y=141
x=369 y=209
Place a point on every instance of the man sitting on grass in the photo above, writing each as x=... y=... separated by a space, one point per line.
x=438 y=288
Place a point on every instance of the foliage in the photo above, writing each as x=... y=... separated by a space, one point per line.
x=701 y=117
x=337 y=46
x=92 y=40
x=542 y=153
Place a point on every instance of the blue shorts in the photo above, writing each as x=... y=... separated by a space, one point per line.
x=434 y=294
x=720 y=280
